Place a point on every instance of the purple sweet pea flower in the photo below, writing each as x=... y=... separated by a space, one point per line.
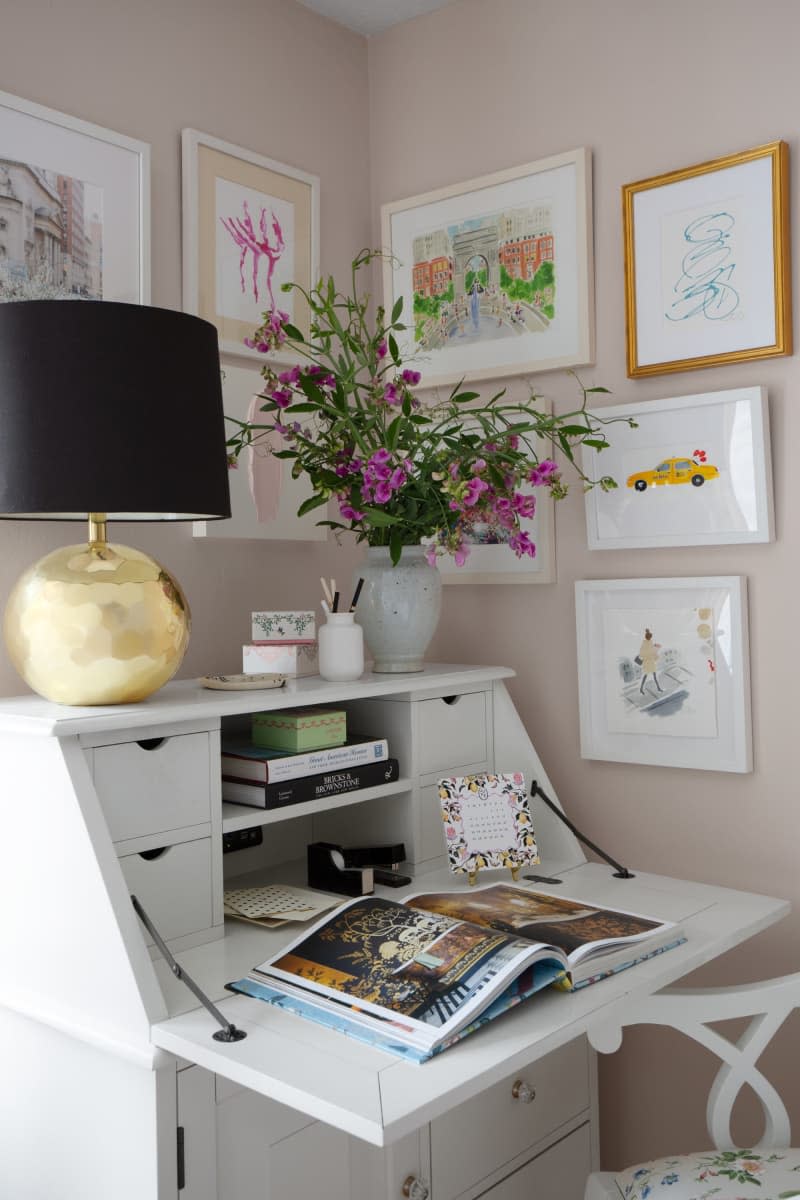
x=410 y=377
x=382 y=350
x=521 y=544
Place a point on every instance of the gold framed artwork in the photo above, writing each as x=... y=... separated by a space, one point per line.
x=707 y=263
x=250 y=225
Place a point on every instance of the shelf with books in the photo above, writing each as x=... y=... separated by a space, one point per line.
x=241 y=816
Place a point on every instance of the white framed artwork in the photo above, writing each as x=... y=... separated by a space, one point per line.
x=495 y=273
x=663 y=672
x=264 y=496
x=250 y=225
x=693 y=471
x=74 y=208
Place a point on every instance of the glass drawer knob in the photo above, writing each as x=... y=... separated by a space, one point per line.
x=523 y=1091
x=415 y=1189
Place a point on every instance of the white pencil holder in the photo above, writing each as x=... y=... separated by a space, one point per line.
x=341 y=648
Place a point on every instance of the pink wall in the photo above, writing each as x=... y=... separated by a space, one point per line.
x=265 y=74
x=478 y=87
x=474 y=88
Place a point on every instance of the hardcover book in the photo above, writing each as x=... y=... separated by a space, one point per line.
x=310 y=787
x=414 y=976
x=243 y=761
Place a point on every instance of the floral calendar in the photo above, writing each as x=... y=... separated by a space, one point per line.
x=487 y=823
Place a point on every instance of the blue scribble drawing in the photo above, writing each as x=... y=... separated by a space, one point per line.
x=705 y=284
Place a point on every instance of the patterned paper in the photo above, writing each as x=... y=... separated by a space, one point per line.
x=487 y=822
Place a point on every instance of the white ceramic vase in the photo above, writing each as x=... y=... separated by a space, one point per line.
x=399 y=607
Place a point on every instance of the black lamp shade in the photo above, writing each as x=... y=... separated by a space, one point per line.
x=110 y=408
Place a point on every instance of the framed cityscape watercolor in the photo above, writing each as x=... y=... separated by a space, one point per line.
x=694 y=471
x=663 y=672
x=707 y=263
x=74 y=208
x=495 y=273
x=250 y=224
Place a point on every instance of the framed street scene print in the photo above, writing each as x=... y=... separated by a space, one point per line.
x=663 y=672
x=495 y=273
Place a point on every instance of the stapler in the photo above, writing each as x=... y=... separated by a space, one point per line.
x=354 y=870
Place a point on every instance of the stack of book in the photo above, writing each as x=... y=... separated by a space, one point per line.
x=283 y=643
x=296 y=755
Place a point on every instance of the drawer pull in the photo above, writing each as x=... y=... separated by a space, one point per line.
x=523 y=1091
x=415 y=1189
x=151 y=743
x=151 y=855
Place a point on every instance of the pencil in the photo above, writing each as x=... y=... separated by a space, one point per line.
x=335 y=605
x=326 y=589
x=356 y=594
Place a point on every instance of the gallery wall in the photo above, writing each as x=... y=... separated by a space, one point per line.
x=649 y=88
x=472 y=89
x=268 y=75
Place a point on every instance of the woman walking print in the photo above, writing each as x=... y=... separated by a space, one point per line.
x=648 y=658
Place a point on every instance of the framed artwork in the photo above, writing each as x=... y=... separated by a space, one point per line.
x=250 y=224
x=487 y=823
x=663 y=672
x=695 y=471
x=707 y=264
x=264 y=496
x=74 y=208
x=491 y=561
x=495 y=274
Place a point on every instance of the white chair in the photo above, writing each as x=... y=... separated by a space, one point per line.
x=769 y=1170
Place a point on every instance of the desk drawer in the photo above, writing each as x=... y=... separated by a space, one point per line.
x=154 y=785
x=173 y=885
x=474 y=1140
x=452 y=730
x=557 y=1174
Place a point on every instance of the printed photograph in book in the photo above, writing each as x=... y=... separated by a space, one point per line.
x=51 y=234
x=661 y=676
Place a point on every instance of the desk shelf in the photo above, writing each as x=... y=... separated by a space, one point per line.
x=241 y=816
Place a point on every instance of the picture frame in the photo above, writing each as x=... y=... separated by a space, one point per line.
x=663 y=672
x=74 y=207
x=715 y=444
x=707 y=263
x=495 y=273
x=235 y=258
x=496 y=563
x=264 y=496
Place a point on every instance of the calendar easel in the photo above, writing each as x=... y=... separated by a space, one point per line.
x=487 y=823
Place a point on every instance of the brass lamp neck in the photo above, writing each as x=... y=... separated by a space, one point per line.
x=97 y=529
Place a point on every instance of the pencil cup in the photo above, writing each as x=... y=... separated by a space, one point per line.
x=341 y=648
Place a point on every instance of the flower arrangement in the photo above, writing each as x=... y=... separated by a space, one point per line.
x=402 y=472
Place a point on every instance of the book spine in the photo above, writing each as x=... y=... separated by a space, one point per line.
x=311 y=787
x=312 y=762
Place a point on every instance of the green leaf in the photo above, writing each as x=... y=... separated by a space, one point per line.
x=378 y=517
x=397 y=309
x=311 y=503
x=596 y=443
x=464 y=397
x=395 y=353
x=293 y=332
x=606 y=391
x=395 y=546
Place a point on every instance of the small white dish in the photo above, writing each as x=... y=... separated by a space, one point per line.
x=241 y=683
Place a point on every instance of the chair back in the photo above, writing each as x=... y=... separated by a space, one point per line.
x=693 y=1011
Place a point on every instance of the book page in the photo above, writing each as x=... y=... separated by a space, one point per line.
x=577 y=928
x=430 y=971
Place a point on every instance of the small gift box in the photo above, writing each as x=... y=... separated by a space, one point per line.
x=298 y=729
x=281 y=658
x=283 y=626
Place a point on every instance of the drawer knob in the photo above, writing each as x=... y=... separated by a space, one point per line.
x=415 y=1189
x=523 y=1091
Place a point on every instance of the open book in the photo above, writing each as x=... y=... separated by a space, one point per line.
x=413 y=976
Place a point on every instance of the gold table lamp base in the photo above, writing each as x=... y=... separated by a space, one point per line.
x=99 y=623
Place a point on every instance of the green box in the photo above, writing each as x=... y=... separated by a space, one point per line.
x=296 y=729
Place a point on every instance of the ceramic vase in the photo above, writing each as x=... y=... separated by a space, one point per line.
x=399 y=607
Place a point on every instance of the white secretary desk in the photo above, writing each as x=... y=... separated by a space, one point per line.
x=113 y=1088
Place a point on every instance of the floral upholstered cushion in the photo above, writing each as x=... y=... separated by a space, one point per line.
x=717 y=1174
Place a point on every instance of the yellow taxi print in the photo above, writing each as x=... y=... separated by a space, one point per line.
x=673 y=470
